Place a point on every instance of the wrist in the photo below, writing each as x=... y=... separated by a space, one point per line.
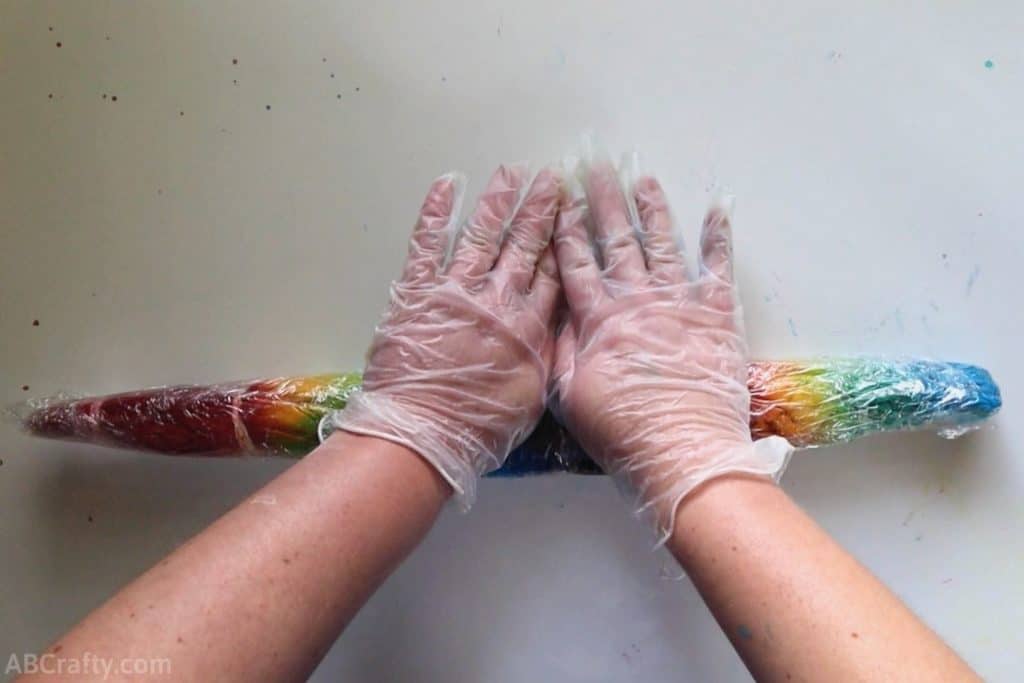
x=412 y=476
x=716 y=511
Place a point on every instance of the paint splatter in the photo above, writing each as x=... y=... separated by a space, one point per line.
x=743 y=632
x=971 y=279
x=989 y=64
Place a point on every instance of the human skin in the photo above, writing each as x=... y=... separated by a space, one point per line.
x=794 y=604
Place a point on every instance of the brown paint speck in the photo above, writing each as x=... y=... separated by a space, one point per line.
x=35 y=323
x=180 y=639
x=24 y=387
x=132 y=615
x=234 y=61
x=89 y=518
x=50 y=96
x=734 y=548
x=235 y=82
x=268 y=107
x=1 y=463
x=51 y=28
x=57 y=648
x=286 y=560
x=357 y=89
x=104 y=95
x=181 y=113
x=59 y=44
x=855 y=635
x=113 y=98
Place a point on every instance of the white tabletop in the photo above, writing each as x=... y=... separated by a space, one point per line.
x=221 y=221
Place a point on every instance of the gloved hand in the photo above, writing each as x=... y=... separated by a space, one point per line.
x=650 y=367
x=458 y=367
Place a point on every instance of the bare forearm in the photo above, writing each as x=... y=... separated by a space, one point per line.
x=794 y=604
x=264 y=591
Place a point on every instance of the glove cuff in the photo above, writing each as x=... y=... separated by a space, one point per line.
x=372 y=414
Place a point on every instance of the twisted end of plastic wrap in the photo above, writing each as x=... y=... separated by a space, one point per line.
x=52 y=417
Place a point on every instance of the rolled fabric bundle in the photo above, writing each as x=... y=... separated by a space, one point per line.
x=810 y=403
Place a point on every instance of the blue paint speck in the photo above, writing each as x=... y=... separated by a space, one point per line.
x=792 y=327
x=971 y=279
x=989 y=64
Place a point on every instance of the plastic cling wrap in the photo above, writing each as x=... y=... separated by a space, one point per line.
x=813 y=403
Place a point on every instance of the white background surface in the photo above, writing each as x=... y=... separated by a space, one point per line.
x=877 y=164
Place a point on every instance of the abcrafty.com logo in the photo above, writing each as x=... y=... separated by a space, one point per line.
x=86 y=664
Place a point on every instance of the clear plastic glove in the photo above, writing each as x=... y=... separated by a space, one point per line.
x=651 y=365
x=458 y=367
